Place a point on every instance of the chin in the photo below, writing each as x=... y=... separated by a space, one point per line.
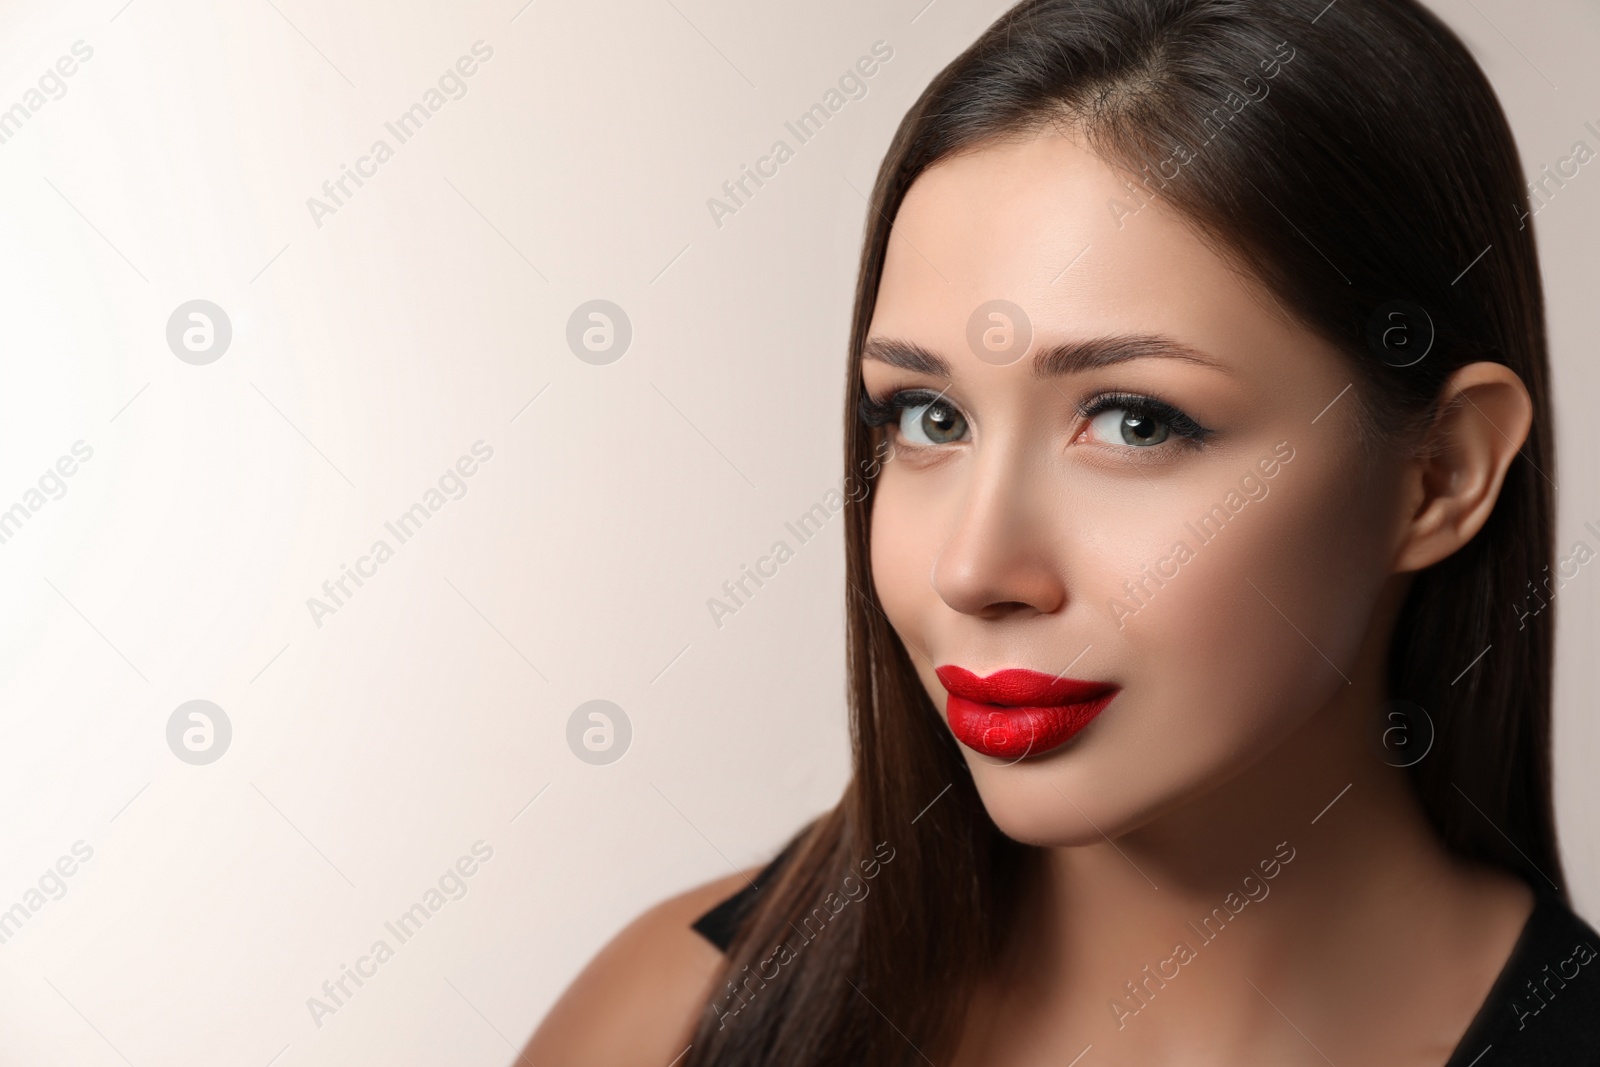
x=1027 y=807
x=1048 y=831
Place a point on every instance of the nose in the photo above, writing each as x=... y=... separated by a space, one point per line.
x=1002 y=557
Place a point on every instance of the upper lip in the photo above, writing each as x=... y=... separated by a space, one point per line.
x=1018 y=687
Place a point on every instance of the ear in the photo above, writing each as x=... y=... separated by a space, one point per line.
x=1484 y=416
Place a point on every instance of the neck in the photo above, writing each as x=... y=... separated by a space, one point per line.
x=1288 y=878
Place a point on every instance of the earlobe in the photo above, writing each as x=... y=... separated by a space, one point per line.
x=1484 y=417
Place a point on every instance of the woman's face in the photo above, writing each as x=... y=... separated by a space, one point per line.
x=1216 y=556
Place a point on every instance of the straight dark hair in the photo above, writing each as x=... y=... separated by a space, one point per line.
x=1370 y=163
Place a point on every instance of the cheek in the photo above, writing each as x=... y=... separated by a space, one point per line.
x=904 y=544
x=1222 y=645
x=1235 y=641
x=1221 y=660
x=912 y=516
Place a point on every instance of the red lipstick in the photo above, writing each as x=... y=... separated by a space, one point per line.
x=1017 y=712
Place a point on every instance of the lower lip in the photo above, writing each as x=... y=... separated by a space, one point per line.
x=1013 y=732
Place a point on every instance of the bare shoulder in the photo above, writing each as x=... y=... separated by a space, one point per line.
x=638 y=1000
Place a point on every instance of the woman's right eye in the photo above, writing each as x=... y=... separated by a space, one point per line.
x=923 y=419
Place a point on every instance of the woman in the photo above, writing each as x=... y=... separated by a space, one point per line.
x=1200 y=709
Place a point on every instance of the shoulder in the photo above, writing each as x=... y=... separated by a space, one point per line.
x=638 y=1000
x=1545 y=1007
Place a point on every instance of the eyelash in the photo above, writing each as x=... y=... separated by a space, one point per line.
x=875 y=412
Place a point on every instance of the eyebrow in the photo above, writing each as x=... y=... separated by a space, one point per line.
x=1051 y=361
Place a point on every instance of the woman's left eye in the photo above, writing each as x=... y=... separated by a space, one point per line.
x=1139 y=421
x=1129 y=427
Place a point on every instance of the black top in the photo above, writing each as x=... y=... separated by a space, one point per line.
x=1544 y=1008
x=720 y=923
x=1542 y=1011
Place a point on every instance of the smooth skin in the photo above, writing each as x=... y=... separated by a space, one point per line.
x=1002 y=534
x=636 y=1004
x=1004 y=528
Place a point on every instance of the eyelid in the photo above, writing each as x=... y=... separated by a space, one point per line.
x=874 y=412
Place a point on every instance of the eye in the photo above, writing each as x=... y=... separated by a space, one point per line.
x=1139 y=421
x=1131 y=427
x=922 y=418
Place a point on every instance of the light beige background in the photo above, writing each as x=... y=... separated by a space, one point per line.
x=369 y=353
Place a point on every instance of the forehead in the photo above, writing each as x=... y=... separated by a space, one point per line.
x=1042 y=222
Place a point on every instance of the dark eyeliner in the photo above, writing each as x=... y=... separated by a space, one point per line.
x=1135 y=404
x=873 y=412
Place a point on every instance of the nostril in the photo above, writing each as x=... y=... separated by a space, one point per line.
x=1005 y=609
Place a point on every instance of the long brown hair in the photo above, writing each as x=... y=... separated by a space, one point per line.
x=1372 y=163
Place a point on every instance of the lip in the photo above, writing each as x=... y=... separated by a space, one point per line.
x=1018 y=712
